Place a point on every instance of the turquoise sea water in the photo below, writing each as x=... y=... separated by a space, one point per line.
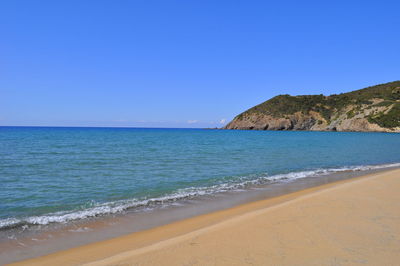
x=61 y=174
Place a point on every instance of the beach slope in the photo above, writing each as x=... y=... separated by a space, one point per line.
x=351 y=222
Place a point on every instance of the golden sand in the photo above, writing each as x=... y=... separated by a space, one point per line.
x=350 y=222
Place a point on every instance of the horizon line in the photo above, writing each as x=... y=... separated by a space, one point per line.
x=112 y=127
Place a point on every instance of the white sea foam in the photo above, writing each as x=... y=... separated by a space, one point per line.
x=191 y=192
x=8 y=222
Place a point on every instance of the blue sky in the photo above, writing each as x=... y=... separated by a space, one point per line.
x=184 y=63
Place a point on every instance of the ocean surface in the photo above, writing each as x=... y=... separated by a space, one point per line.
x=56 y=175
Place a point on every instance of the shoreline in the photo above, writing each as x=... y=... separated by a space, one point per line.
x=259 y=182
x=157 y=236
x=26 y=243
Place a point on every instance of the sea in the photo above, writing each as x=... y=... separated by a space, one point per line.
x=61 y=175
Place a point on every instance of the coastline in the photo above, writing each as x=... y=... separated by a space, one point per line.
x=210 y=226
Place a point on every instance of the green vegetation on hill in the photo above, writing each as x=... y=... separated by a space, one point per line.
x=329 y=106
x=389 y=120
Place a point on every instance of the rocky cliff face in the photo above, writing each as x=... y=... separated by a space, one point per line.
x=372 y=109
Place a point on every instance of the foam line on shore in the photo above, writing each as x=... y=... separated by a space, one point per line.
x=240 y=183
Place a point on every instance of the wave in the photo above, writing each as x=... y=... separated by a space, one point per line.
x=187 y=193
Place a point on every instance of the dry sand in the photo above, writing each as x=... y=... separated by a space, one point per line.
x=350 y=222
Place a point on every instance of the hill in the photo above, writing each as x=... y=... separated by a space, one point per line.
x=376 y=108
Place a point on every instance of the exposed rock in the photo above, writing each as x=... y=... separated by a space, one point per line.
x=372 y=109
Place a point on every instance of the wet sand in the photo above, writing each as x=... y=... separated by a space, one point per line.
x=355 y=221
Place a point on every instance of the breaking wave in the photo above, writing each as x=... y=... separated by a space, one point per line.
x=187 y=193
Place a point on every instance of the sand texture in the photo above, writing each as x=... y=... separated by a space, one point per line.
x=350 y=222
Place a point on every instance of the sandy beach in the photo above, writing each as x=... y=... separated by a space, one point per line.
x=356 y=221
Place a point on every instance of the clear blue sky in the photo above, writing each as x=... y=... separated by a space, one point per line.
x=184 y=63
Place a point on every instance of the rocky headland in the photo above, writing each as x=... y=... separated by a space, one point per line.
x=375 y=108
